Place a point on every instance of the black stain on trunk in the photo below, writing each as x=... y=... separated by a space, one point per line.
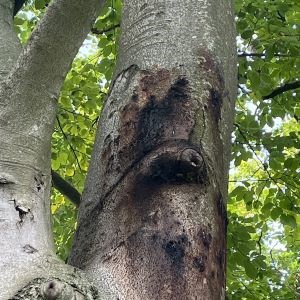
x=199 y=263
x=160 y=114
x=175 y=249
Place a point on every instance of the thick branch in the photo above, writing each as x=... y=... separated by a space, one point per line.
x=18 y=5
x=51 y=49
x=284 y=88
x=65 y=188
x=97 y=31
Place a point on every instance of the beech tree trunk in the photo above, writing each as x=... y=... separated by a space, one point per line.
x=29 y=86
x=152 y=222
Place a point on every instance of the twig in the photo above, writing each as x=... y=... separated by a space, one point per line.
x=66 y=138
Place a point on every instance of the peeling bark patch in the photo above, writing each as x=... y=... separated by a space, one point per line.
x=199 y=263
x=205 y=237
x=29 y=249
x=23 y=212
x=175 y=249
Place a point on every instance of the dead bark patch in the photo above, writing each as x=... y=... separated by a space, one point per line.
x=160 y=118
x=205 y=237
x=23 y=212
x=175 y=249
x=215 y=104
x=199 y=263
x=6 y=179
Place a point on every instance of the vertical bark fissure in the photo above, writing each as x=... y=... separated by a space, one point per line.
x=153 y=208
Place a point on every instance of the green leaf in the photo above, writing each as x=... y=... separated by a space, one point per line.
x=276 y=212
x=288 y=220
x=250 y=270
x=40 y=4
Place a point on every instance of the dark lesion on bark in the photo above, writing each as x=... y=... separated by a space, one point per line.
x=156 y=126
x=24 y=212
x=168 y=169
x=176 y=249
x=199 y=262
x=166 y=107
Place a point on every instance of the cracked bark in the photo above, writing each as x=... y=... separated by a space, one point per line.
x=157 y=185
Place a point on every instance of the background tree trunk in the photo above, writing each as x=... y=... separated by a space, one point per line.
x=153 y=208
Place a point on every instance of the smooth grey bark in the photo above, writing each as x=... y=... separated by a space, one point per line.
x=30 y=83
x=153 y=207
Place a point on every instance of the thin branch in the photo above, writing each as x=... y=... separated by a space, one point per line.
x=284 y=88
x=65 y=188
x=97 y=31
x=247 y=54
x=259 y=241
x=66 y=138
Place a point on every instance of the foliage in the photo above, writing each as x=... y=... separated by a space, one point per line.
x=264 y=202
x=264 y=199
